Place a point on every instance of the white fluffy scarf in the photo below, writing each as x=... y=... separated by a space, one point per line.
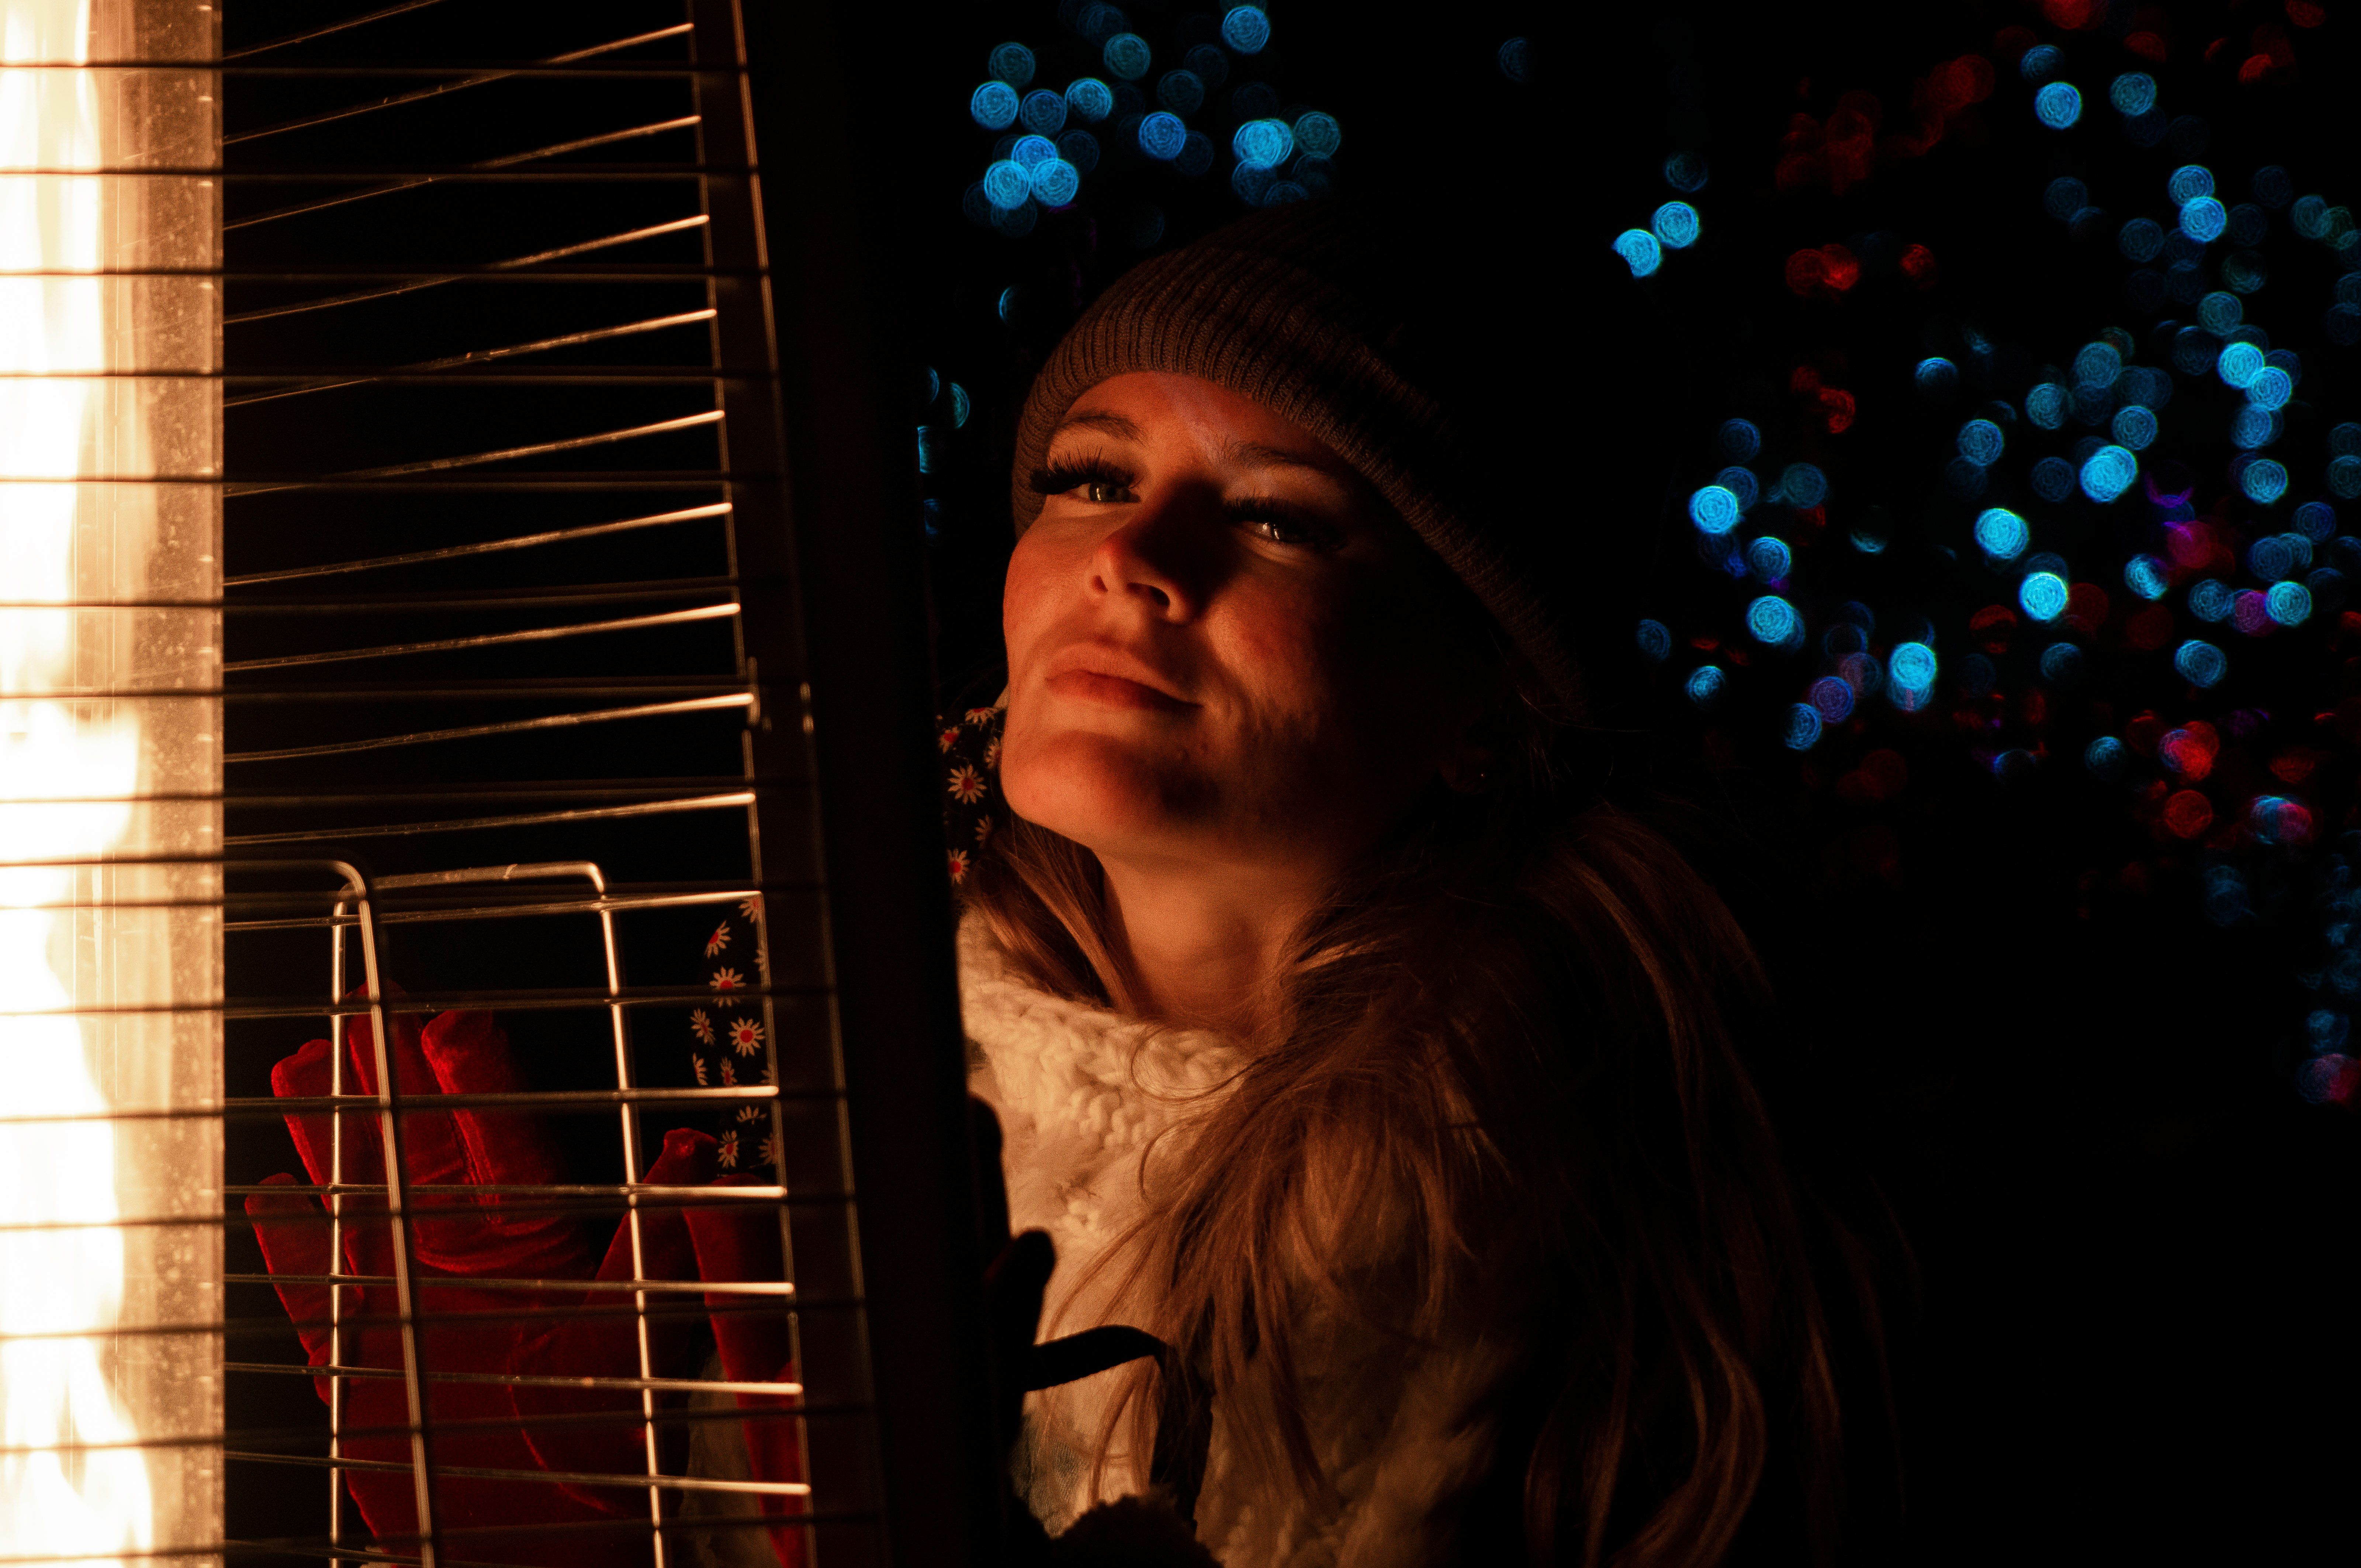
x=1402 y=1430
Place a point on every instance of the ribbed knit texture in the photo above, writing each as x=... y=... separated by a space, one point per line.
x=1314 y=313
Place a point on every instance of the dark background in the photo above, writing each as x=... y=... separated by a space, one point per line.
x=2121 y=1315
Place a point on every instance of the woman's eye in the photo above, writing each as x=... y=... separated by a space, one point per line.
x=1292 y=534
x=1105 y=492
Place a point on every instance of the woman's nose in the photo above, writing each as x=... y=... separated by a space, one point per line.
x=1147 y=555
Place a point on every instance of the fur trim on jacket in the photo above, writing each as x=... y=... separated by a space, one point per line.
x=1403 y=1432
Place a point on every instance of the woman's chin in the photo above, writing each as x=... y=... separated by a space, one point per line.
x=1101 y=791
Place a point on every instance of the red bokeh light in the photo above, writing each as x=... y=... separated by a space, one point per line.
x=2304 y=14
x=1993 y=626
x=2150 y=630
x=1919 y=265
x=1837 y=406
x=2071 y=15
x=2086 y=607
x=1805 y=273
x=2295 y=764
x=2148 y=46
x=2188 y=813
x=2142 y=734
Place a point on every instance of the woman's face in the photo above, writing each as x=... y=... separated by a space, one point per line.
x=1223 y=647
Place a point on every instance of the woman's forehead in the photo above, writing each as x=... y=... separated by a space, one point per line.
x=1158 y=408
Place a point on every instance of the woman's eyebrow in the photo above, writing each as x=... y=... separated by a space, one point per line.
x=1260 y=454
x=1107 y=421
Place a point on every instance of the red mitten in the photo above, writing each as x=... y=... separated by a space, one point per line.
x=459 y=1236
x=740 y=1243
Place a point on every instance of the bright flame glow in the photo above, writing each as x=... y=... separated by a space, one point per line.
x=53 y=1391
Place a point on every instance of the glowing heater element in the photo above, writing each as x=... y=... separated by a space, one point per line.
x=92 y=994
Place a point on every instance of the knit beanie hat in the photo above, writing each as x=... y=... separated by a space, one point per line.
x=1324 y=318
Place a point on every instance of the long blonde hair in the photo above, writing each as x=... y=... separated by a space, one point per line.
x=1516 y=1036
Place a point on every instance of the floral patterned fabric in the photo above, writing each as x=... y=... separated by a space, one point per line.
x=726 y=1035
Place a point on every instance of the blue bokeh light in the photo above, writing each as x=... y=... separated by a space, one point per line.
x=2043 y=595
x=1056 y=182
x=2133 y=92
x=1803 y=485
x=1007 y=300
x=1029 y=152
x=2144 y=575
x=2001 y=533
x=1714 y=509
x=1638 y=248
x=2211 y=599
x=1911 y=667
x=1740 y=482
x=1211 y=66
x=1127 y=56
x=2058 y=106
x=2188 y=182
x=2061 y=663
x=1676 y=223
x=2316 y=520
x=1090 y=98
x=2204 y=219
x=1182 y=92
x=1017 y=222
x=2046 y=405
x=2271 y=389
x=2263 y=481
x=1741 y=440
x=1704 y=684
x=1686 y=172
x=1263 y=143
x=1655 y=640
x=1246 y=29
x=1981 y=443
x=1937 y=376
x=2272 y=187
x=1317 y=134
x=2104 y=756
x=2200 y=664
x=1774 y=621
x=1516 y=59
x=1161 y=135
x=2065 y=197
x=1833 y=700
x=2097 y=365
x=1769 y=558
x=2290 y=603
x=2040 y=62
x=961 y=405
x=2053 y=480
x=2252 y=427
x=2344 y=477
x=2141 y=239
x=2134 y=427
x=1007 y=184
x=1801 y=731
x=2109 y=473
x=1252 y=181
x=993 y=105
x=2239 y=364
x=1013 y=63
x=1043 y=112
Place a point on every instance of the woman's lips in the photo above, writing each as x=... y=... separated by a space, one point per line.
x=1113 y=691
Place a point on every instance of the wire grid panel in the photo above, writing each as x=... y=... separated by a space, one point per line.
x=498 y=468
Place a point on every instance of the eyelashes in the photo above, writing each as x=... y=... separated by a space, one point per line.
x=1059 y=478
x=1269 y=517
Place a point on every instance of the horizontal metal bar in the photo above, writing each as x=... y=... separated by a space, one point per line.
x=576 y=1190
x=254 y=1436
x=513 y=726
x=481 y=357
x=554 y=67
x=553 y=998
x=496 y=73
x=435 y=602
x=549 y=1100
x=507 y=455
x=564 y=1478
x=421 y=1212
x=533 y=634
x=581 y=247
x=370 y=691
x=489 y=172
x=440 y=272
x=472 y=824
x=684 y=372
x=659 y=1309
x=482 y=912
x=490 y=546
x=430 y=1282
x=397 y=8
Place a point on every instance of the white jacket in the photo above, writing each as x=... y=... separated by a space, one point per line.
x=1402 y=1430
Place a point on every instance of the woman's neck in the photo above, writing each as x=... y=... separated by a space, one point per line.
x=1205 y=944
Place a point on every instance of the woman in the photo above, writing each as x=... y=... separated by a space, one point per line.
x=1342 y=1037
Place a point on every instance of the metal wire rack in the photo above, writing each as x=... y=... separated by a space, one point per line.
x=518 y=632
